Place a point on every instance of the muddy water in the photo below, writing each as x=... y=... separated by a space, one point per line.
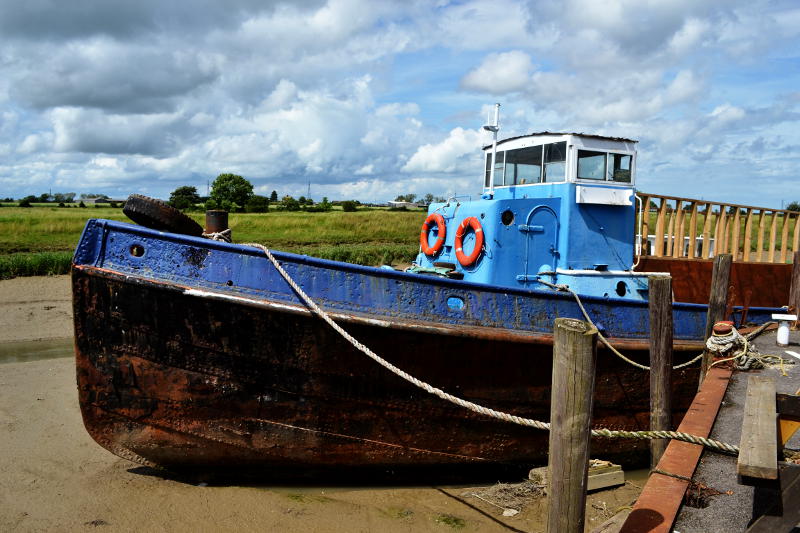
x=26 y=351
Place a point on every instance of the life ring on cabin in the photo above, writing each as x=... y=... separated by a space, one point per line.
x=475 y=224
x=159 y=215
x=423 y=234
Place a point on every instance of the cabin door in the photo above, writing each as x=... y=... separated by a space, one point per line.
x=541 y=244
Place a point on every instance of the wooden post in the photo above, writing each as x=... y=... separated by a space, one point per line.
x=571 y=399
x=661 y=332
x=717 y=301
x=794 y=291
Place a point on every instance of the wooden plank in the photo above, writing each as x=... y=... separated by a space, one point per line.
x=604 y=480
x=760 y=246
x=662 y=213
x=707 y=231
x=788 y=405
x=670 y=233
x=724 y=241
x=785 y=238
x=796 y=238
x=677 y=247
x=737 y=224
x=783 y=514
x=693 y=231
x=773 y=230
x=571 y=398
x=758 y=447
x=748 y=235
x=718 y=302
x=794 y=284
x=645 y=226
x=661 y=333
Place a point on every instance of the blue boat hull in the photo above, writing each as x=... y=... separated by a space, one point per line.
x=197 y=354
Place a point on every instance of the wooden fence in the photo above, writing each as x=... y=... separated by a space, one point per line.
x=670 y=226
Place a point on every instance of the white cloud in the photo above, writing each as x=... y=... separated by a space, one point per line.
x=448 y=155
x=500 y=73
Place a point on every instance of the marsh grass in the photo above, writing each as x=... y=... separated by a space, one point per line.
x=40 y=240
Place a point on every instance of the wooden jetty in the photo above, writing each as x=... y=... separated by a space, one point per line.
x=757 y=491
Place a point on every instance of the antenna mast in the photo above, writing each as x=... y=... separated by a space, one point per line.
x=494 y=127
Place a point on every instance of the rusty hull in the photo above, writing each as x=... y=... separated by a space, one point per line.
x=753 y=284
x=189 y=382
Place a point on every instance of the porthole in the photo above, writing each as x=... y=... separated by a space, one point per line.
x=622 y=289
x=507 y=217
x=137 y=250
x=455 y=303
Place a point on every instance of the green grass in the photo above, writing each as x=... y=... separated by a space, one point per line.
x=34 y=264
x=40 y=240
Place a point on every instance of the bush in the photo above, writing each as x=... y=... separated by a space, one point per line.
x=257 y=204
x=34 y=264
x=349 y=206
x=81 y=204
x=25 y=203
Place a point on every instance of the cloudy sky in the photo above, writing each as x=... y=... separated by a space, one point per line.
x=370 y=99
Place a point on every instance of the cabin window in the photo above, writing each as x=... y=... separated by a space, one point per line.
x=555 y=162
x=591 y=165
x=619 y=168
x=499 y=165
x=523 y=165
x=488 y=178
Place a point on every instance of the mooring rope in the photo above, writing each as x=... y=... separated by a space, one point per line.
x=486 y=411
x=564 y=288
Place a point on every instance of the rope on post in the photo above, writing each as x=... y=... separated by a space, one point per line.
x=646 y=435
x=564 y=288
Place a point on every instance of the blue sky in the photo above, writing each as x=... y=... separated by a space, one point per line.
x=371 y=99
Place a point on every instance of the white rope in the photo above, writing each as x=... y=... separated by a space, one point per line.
x=605 y=341
x=648 y=435
x=224 y=235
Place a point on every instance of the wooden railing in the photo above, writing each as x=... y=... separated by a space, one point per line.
x=670 y=226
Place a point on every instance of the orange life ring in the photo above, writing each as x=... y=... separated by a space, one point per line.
x=475 y=224
x=423 y=234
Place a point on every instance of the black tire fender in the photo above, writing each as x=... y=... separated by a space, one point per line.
x=156 y=214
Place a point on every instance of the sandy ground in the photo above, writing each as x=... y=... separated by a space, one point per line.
x=53 y=477
x=35 y=308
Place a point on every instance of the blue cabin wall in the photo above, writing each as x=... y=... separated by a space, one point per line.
x=550 y=231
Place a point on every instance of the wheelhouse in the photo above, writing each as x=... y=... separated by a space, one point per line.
x=546 y=157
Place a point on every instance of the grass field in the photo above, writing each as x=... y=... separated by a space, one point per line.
x=40 y=240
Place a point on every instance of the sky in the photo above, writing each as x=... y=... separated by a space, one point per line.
x=371 y=99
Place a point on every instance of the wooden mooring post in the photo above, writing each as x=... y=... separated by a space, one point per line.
x=571 y=400
x=717 y=302
x=661 y=333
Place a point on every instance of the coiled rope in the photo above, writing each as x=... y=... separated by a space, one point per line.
x=486 y=411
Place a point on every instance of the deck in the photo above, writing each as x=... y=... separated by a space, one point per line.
x=737 y=506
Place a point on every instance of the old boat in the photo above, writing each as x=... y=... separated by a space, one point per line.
x=197 y=354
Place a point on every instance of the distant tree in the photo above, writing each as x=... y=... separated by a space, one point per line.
x=24 y=203
x=405 y=198
x=428 y=199
x=184 y=197
x=65 y=197
x=233 y=189
x=273 y=197
x=793 y=206
x=257 y=204
x=301 y=200
x=349 y=205
x=44 y=197
x=290 y=204
x=81 y=204
x=90 y=195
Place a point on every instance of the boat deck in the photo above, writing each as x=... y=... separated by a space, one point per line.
x=736 y=506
